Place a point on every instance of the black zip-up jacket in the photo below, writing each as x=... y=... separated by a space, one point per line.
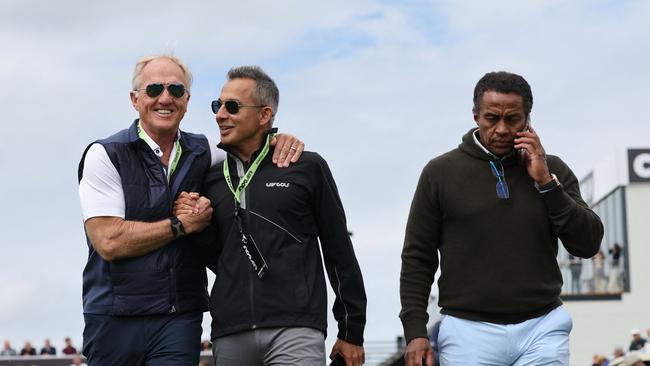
x=285 y=211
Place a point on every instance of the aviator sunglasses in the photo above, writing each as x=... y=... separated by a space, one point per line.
x=502 y=186
x=232 y=106
x=154 y=90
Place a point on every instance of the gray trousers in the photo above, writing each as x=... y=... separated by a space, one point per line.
x=271 y=347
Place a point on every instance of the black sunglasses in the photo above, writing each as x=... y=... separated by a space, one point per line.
x=154 y=90
x=232 y=106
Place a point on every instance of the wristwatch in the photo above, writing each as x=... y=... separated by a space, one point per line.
x=554 y=183
x=177 y=227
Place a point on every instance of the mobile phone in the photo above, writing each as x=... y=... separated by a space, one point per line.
x=338 y=360
x=521 y=153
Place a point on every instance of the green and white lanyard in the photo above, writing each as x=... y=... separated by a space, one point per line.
x=249 y=247
x=243 y=183
x=176 y=153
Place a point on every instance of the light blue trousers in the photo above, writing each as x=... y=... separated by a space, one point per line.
x=535 y=342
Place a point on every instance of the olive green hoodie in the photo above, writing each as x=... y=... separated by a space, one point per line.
x=497 y=256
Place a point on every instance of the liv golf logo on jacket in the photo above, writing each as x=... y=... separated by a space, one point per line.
x=278 y=184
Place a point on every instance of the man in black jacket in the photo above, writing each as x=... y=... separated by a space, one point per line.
x=269 y=300
x=491 y=217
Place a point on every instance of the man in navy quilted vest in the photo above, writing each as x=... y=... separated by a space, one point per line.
x=144 y=285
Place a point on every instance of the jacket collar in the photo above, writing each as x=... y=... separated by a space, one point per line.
x=254 y=155
x=188 y=144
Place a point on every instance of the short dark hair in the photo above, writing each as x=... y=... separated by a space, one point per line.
x=503 y=82
x=265 y=92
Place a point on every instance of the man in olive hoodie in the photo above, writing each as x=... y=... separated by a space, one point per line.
x=490 y=213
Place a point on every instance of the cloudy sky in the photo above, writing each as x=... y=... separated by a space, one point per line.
x=377 y=87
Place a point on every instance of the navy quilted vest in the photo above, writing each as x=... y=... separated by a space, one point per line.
x=172 y=278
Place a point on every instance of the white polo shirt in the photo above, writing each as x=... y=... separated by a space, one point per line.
x=100 y=189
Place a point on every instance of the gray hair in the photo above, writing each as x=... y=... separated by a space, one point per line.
x=265 y=92
x=137 y=72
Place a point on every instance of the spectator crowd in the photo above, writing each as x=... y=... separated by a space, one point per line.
x=602 y=274
x=8 y=351
x=29 y=350
x=631 y=356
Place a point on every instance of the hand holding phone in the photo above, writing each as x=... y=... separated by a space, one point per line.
x=338 y=360
x=534 y=156
x=521 y=153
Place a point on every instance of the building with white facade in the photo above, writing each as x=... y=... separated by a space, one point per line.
x=609 y=294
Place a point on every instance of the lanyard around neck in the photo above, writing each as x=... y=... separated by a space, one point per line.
x=243 y=183
x=178 y=150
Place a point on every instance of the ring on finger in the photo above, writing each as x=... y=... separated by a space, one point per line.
x=293 y=148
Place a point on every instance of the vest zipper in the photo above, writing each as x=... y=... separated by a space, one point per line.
x=172 y=276
x=170 y=252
